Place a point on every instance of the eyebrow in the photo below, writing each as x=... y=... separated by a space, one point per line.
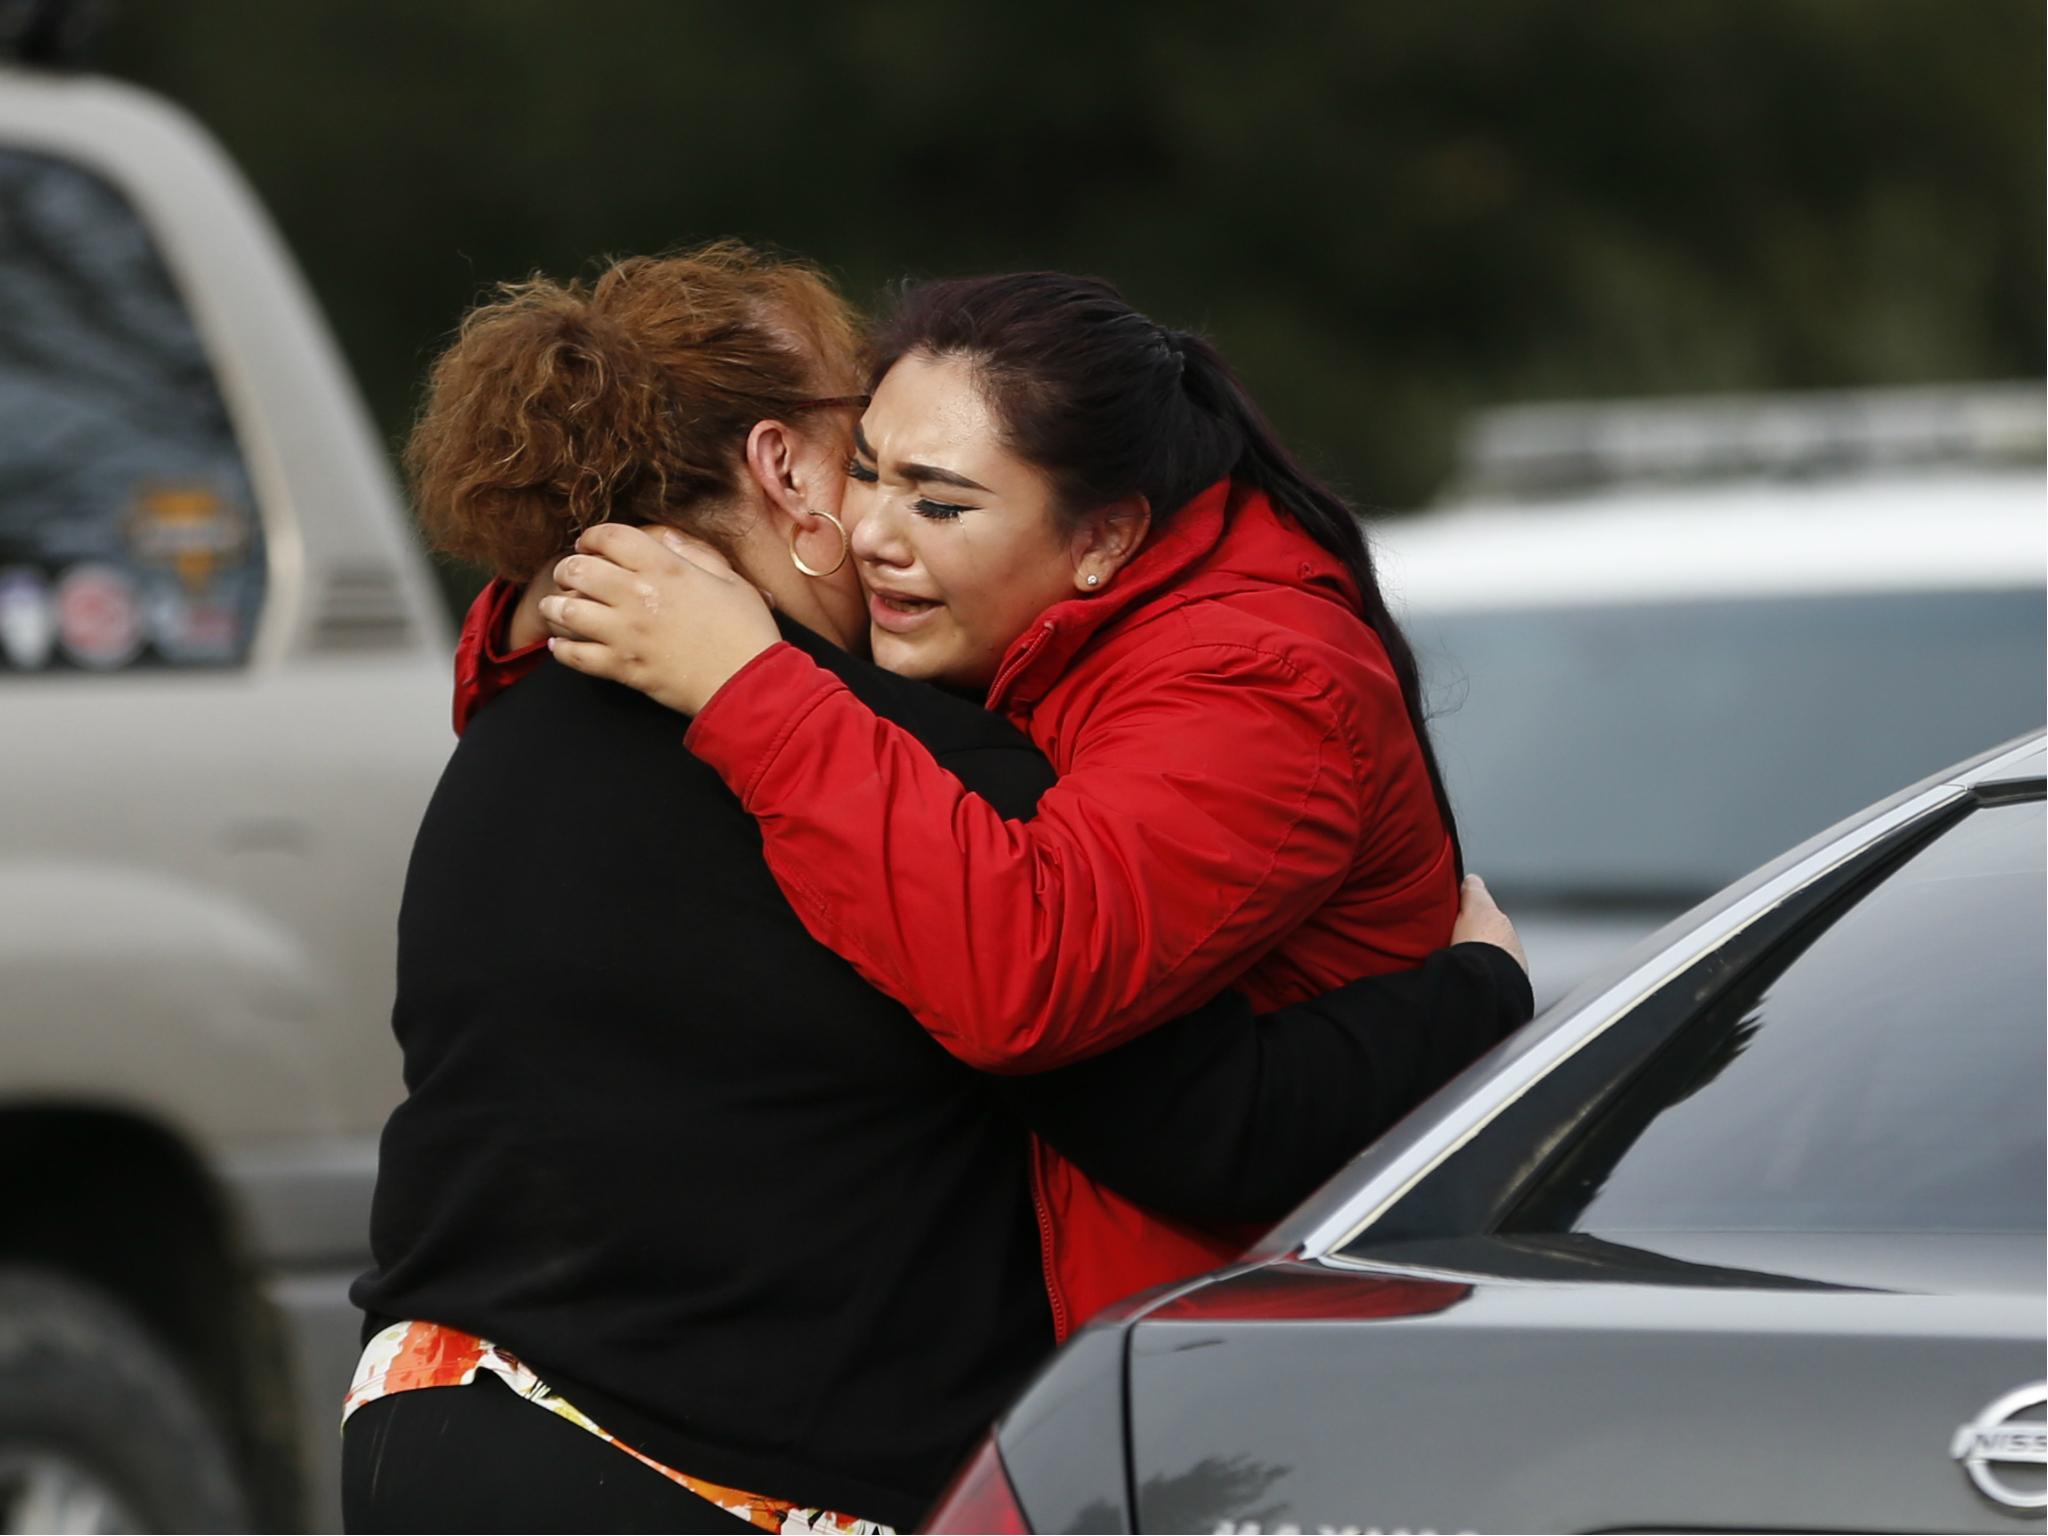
x=919 y=473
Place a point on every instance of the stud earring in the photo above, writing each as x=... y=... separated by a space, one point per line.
x=1094 y=580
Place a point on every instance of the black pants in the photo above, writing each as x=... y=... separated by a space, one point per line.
x=480 y=1458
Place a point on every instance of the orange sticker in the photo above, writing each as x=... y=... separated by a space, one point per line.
x=193 y=529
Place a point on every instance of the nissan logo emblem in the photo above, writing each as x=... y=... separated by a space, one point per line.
x=2006 y=1439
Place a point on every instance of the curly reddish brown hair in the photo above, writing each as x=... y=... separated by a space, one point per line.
x=563 y=404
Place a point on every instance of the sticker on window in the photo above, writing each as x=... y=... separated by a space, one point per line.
x=194 y=544
x=28 y=618
x=191 y=529
x=99 y=620
x=196 y=626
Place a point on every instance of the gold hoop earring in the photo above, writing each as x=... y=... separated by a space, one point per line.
x=845 y=545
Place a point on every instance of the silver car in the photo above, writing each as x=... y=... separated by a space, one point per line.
x=1745 y=1234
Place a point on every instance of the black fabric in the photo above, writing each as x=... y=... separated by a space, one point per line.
x=1225 y=1118
x=479 y=1458
x=728 y=1199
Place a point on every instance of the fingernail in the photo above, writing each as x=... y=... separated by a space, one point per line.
x=551 y=642
x=673 y=540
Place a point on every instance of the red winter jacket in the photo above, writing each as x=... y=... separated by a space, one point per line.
x=1241 y=801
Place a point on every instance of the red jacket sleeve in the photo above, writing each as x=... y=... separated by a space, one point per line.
x=1210 y=805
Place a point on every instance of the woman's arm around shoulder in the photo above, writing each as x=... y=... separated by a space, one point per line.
x=1208 y=805
x=1220 y=1118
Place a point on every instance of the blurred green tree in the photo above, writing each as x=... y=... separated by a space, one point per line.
x=1387 y=214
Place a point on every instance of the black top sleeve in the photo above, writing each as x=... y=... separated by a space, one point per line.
x=1222 y=1117
x=1219 y=1117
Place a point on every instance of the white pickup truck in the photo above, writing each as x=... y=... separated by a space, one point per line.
x=224 y=690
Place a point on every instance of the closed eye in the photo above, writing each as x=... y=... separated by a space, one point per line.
x=855 y=470
x=938 y=511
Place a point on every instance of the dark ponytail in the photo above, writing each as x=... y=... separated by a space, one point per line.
x=1108 y=405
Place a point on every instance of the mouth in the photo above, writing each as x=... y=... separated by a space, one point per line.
x=899 y=613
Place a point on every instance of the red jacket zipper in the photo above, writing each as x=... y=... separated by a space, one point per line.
x=1038 y=1204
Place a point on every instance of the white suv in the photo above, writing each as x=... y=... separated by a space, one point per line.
x=224 y=689
x=1664 y=642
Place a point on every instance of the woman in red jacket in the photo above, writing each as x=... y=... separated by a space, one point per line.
x=1081 y=515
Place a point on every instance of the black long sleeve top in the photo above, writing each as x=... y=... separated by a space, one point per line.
x=731 y=1201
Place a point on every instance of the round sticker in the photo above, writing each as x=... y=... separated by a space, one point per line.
x=28 y=619
x=194 y=627
x=99 y=620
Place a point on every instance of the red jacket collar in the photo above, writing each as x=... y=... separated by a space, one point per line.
x=484 y=665
x=1228 y=538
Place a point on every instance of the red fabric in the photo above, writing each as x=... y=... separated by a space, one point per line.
x=484 y=667
x=1241 y=800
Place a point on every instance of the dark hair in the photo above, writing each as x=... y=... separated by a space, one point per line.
x=1108 y=404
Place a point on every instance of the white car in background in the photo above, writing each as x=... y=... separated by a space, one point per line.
x=224 y=682
x=1662 y=642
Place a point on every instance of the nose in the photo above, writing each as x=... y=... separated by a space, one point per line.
x=875 y=528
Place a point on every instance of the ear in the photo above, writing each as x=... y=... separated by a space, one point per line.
x=1107 y=539
x=773 y=454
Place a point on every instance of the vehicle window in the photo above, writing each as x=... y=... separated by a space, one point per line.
x=1655 y=752
x=1887 y=1078
x=128 y=534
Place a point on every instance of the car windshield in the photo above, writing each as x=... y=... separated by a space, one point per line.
x=1884 y=1077
x=1658 y=751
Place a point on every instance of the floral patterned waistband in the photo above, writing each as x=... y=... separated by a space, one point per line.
x=408 y=1356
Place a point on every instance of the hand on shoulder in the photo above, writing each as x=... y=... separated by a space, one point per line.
x=666 y=615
